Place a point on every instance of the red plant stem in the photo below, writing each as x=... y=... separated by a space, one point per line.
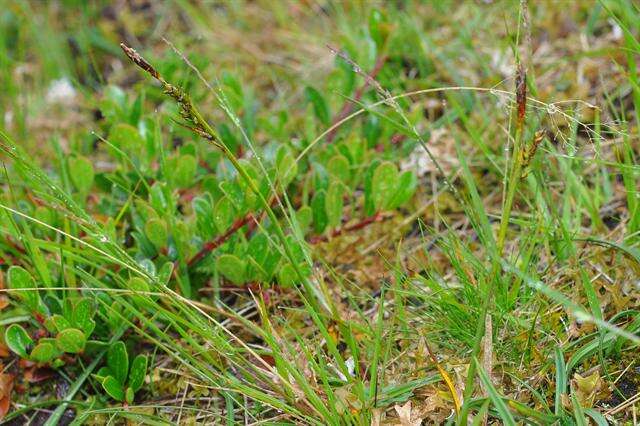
x=220 y=239
x=377 y=217
x=348 y=106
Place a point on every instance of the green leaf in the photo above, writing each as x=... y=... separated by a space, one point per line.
x=383 y=185
x=223 y=214
x=407 y=185
x=156 y=231
x=113 y=388
x=338 y=166
x=185 y=171
x=304 y=216
x=44 y=352
x=286 y=166
x=157 y=197
x=118 y=361
x=203 y=208
x=287 y=276
x=60 y=323
x=129 y=395
x=165 y=272
x=17 y=340
x=320 y=218
x=20 y=279
x=83 y=315
x=137 y=372
x=320 y=107
x=334 y=203
x=126 y=137
x=232 y=268
x=369 y=207
x=71 y=340
x=82 y=174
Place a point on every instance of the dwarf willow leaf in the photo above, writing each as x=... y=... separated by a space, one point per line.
x=407 y=184
x=137 y=372
x=223 y=214
x=334 y=203
x=383 y=185
x=114 y=388
x=156 y=231
x=320 y=107
x=83 y=314
x=286 y=166
x=43 y=352
x=22 y=281
x=17 y=340
x=82 y=174
x=185 y=170
x=287 y=275
x=232 y=268
x=304 y=216
x=71 y=340
x=125 y=137
x=320 y=219
x=338 y=166
x=118 y=362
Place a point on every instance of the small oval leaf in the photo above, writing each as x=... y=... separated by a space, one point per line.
x=118 y=362
x=113 y=388
x=232 y=268
x=137 y=372
x=71 y=340
x=17 y=340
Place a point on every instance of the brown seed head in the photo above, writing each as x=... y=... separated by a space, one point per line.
x=139 y=60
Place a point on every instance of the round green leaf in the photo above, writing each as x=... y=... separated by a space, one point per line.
x=129 y=395
x=232 y=268
x=71 y=340
x=137 y=372
x=320 y=219
x=286 y=166
x=223 y=214
x=43 y=352
x=156 y=231
x=118 y=362
x=17 y=340
x=82 y=174
x=19 y=279
x=125 y=137
x=185 y=171
x=287 y=275
x=83 y=315
x=113 y=388
x=334 y=204
x=304 y=216
x=60 y=323
x=407 y=185
x=384 y=184
x=338 y=166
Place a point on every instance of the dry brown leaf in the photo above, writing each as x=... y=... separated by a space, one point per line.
x=404 y=415
x=6 y=386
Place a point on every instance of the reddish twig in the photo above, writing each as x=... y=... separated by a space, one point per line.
x=378 y=217
x=348 y=105
x=209 y=246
